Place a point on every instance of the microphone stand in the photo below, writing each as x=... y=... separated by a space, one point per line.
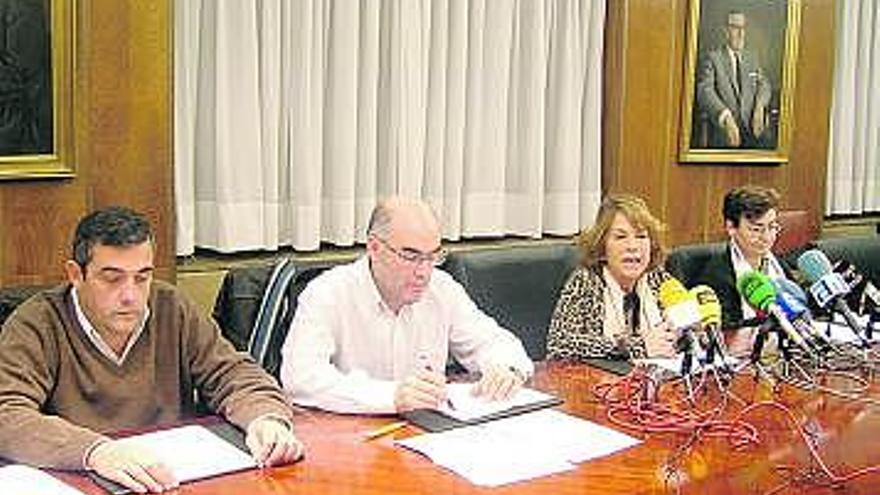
x=757 y=348
x=686 y=344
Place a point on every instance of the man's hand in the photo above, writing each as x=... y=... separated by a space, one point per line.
x=272 y=443
x=131 y=466
x=423 y=390
x=730 y=129
x=758 y=120
x=498 y=382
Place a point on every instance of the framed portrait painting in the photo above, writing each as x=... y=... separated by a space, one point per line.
x=739 y=81
x=36 y=51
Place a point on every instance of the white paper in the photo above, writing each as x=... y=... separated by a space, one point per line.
x=193 y=452
x=519 y=447
x=464 y=405
x=17 y=479
x=672 y=366
x=838 y=331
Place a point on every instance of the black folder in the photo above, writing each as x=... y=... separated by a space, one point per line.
x=435 y=421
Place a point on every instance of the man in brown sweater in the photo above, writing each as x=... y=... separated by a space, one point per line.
x=114 y=349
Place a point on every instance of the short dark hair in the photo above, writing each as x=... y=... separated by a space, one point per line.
x=111 y=226
x=749 y=201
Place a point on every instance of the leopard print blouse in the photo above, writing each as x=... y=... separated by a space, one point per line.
x=576 y=330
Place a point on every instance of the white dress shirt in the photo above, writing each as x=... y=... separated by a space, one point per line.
x=769 y=266
x=346 y=350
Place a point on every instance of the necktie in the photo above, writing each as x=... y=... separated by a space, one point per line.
x=737 y=60
x=631 y=310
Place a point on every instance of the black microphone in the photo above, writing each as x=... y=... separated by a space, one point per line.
x=710 y=314
x=828 y=288
x=865 y=296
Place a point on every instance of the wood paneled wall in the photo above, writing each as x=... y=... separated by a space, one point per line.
x=122 y=146
x=644 y=75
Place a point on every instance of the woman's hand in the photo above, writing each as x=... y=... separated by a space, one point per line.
x=660 y=341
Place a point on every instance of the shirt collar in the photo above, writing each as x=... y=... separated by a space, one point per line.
x=95 y=337
x=366 y=278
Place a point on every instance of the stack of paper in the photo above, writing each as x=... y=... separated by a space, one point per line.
x=193 y=452
x=519 y=447
x=17 y=479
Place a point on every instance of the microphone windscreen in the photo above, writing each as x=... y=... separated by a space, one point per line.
x=791 y=289
x=679 y=306
x=788 y=300
x=672 y=292
x=707 y=302
x=757 y=289
x=849 y=273
x=814 y=265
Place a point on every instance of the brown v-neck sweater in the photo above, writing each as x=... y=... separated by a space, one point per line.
x=58 y=393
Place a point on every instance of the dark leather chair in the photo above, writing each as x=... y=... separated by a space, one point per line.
x=518 y=286
x=862 y=251
x=256 y=304
x=686 y=262
x=11 y=297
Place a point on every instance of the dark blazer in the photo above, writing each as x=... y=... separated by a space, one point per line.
x=718 y=273
x=717 y=89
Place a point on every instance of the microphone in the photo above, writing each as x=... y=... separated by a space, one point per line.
x=866 y=295
x=793 y=301
x=683 y=314
x=710 y=318
x=758 y=291
x=828 y=288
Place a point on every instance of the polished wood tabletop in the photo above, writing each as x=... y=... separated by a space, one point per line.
x=340 y=461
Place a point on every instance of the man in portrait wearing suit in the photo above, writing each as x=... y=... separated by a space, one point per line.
x=733 y=92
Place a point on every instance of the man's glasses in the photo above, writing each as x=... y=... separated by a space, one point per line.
x=757 y=229
x=413 y=257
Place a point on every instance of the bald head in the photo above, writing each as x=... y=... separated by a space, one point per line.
x=403 y=245
x=398 y=213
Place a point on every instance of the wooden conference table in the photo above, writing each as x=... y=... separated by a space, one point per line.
x=339 y=461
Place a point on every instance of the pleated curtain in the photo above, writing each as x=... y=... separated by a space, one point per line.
x=293 y=117
x=854 y=146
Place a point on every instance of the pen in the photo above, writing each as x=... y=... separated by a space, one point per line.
x=384 y=430
x=425 y=362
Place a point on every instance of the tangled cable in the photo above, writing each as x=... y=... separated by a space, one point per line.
x=633 y=402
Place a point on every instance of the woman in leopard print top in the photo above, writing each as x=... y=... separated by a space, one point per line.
x=608 y=307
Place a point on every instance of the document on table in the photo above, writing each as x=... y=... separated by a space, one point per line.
x=520 y=447
x=191 y=453
x=463 y=405
x=838 y=331
x=18 y=479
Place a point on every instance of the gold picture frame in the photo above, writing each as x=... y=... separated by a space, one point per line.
x=36 y=86
x=757 y=91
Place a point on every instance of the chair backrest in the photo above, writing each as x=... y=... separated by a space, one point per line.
x=518 y=286
x=686 y=263
x=862 y=251
x=799 y=229
x=11 y=297
x=256 y=304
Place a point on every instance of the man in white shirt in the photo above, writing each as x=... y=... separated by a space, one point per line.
x=373 y=336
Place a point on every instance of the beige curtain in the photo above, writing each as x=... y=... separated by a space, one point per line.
x=854 y=147
x=292 y=117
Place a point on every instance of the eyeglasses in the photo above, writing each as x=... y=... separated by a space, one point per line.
x=413 y=257
x=757 y=229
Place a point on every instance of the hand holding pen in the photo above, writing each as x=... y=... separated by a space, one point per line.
x=424 y=389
